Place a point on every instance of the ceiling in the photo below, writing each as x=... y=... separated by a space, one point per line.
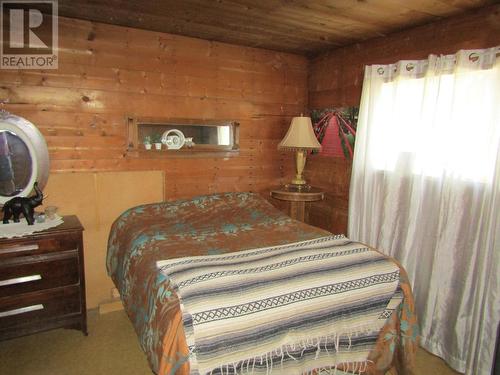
x=299 y=26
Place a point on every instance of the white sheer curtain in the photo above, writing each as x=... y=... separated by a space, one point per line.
x=425 y=189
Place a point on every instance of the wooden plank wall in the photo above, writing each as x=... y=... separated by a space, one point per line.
x=336 y=78
x=107 y=73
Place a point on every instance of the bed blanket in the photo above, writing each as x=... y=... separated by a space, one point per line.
x=294 y=308
x=212 y=225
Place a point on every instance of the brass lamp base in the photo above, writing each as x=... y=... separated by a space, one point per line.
x=300 y=162
x=298 y=180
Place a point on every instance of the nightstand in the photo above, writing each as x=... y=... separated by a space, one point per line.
x=298 y=199
x=42 y=281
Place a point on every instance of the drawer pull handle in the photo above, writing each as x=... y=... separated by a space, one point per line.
x=20 y=280
x=21 y=310
x=18 y=249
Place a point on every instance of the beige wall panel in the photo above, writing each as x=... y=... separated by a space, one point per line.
x=118 y=191
x=97 y=282
x=98 y=199
x=74 y=194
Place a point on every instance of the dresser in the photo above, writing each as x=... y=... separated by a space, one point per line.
x=42 y=282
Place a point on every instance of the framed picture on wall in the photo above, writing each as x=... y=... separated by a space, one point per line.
x=335 y=129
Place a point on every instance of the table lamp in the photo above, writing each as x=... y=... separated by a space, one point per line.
x=300 y=138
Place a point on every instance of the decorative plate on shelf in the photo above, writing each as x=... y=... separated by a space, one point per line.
x=173 y=138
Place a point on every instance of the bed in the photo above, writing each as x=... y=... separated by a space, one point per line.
x=213 y=226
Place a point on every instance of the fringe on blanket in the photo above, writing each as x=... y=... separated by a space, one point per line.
x=348 y=368
x=247 y=366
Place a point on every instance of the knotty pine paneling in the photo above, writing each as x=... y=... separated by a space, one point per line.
x=336 y=78
x=107 y=73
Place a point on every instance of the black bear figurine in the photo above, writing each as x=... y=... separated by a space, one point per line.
x=21 y=205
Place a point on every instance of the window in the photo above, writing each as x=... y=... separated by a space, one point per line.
x=437 y=125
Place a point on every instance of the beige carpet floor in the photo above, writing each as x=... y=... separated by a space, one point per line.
x=111 y=348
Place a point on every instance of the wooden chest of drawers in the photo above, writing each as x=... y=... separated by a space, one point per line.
x=42 y=282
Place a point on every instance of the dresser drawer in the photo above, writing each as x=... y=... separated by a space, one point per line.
x=33 y=308
x=17 y=248
x=28 y=274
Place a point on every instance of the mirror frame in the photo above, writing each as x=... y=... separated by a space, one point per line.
x=135 y=148
x=35 y=142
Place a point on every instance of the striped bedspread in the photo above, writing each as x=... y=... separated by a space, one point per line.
x=288 y=309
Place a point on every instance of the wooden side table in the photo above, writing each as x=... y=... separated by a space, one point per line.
x=298 y=200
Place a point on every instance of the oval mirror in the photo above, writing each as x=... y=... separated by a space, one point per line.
x=24 y=157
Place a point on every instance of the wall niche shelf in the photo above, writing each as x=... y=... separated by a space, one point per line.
x=210 y=138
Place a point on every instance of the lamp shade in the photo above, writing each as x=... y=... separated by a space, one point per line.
x=300 y=136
